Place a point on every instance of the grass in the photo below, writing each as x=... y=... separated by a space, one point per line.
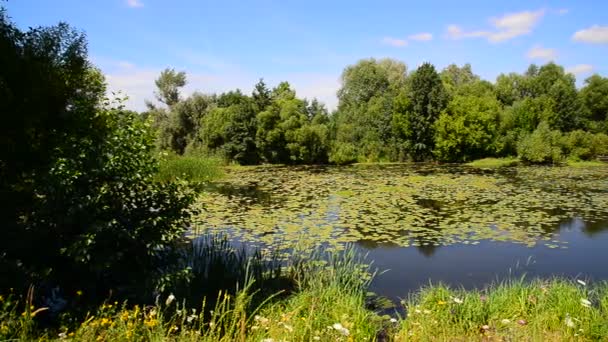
x=586 y=163
x=494 y=162
x=554 y=310
x=324 y=299
x=194 y=169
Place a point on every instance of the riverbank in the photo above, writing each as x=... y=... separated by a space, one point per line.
x=330 y=303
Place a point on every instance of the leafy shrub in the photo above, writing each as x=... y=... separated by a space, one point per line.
x=541 y=146
x=581 y=145
x=343 y=153
x=80 y=210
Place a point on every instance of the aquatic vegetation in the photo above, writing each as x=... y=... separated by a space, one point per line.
x=402 y=204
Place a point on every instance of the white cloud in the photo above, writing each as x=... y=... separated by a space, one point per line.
x=595 y=35
x=580 y=69
x=135 y=3
x=394 y=42
x=539 y=52
x=424 y=36
x=506 y=27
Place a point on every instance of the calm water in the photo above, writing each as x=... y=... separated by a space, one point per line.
x=408 y=269
x=425 y=223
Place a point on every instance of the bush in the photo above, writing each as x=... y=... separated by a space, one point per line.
x=542 y=146
x=343 y=153
x=80 y=210
x=581 y=145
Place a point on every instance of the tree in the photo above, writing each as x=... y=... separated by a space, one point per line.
x=466 y=129
x=455 y=77
x=79 y=208
x=363 y=120
x=594 y=96
x=261 y=96
x=231 y=128
x=168 y=84
x=427 y=99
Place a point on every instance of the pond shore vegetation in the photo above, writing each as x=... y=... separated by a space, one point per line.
x=99 y=203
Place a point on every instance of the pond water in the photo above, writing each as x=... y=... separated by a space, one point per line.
x=424 y=223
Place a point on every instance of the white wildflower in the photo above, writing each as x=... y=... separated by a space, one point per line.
x=287 y=327
x=505 y=321
x=581 y=282
x=342 y=330
x=569 y=322
x=585 y=302
x=457 y=300
x=316 y=338
x=262 y=320
x=170 y=299
x=393 y=320
x=63 y=335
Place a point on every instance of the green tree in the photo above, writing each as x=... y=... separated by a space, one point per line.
x=455 y=77
x=467 y=128
x=594 y=96
x=261 y=96
x=365 y=110
x=427 y=99
x=168 y=84
x=79 y=208
x=231 y=128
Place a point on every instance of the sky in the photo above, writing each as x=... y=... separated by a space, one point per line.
x=223 y=45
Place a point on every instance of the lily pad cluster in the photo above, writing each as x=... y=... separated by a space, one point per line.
x=401 y=204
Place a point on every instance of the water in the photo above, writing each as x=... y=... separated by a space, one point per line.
x=468 y=266
x=425 y=223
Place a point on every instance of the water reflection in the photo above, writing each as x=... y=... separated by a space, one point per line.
x=475 y=266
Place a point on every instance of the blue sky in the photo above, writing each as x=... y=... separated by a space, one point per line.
x=224 y=45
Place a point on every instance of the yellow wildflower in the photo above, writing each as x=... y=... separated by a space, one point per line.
x=79 y=293
x=150 y=323
x=441 y=302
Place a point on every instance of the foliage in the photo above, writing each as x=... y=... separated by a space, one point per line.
x=364 y=117
x=581 y=145
x=427 y=99
x=83 y=212
x=542 y=146
x=323 y=289
x=595 y=97
x=168 y=84
x=466 y=129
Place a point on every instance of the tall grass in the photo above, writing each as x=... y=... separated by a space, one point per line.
x=322 y=299
x=517 y=310
x=196 y=169
x=494 y=162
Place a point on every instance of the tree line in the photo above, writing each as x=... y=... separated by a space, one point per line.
x=386 y=113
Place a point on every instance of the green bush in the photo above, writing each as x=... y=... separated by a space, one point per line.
x=343 y=153
x=79 y=208
x=543 y=146
x=581 y=145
